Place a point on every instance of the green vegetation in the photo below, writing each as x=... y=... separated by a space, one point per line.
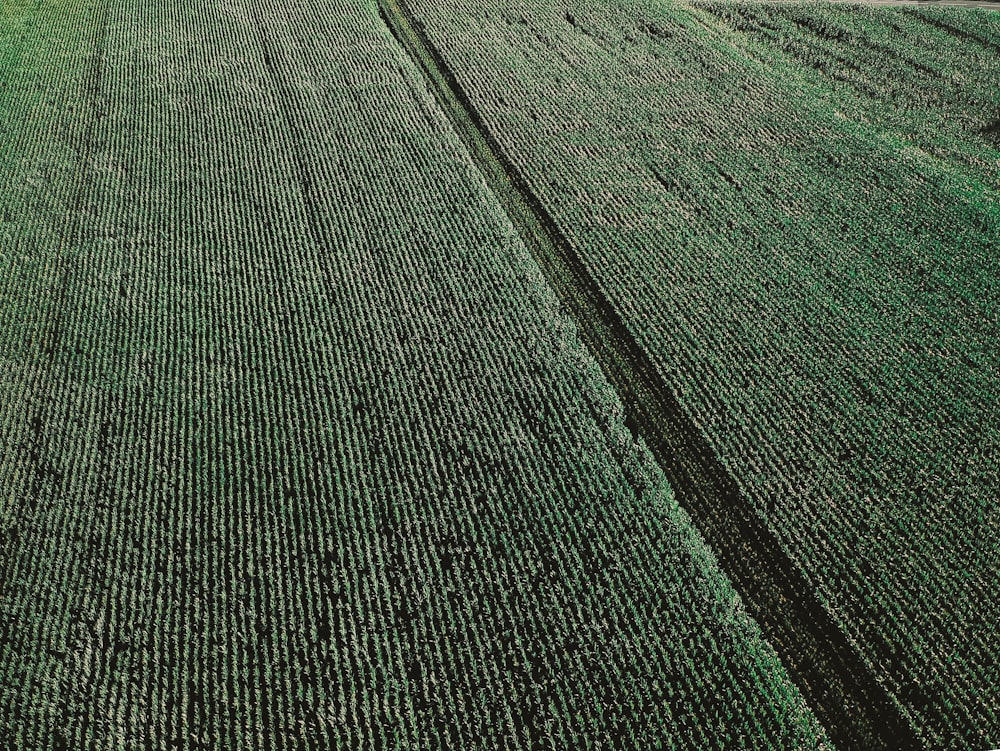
x=794 y=209
x=300 y=449
x=927 y=76
x=43 y=130
x=297 y=449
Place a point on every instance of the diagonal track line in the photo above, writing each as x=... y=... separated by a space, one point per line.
x=856 y=711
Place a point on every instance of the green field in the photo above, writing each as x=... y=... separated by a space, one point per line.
x=795 y=210
x=305 y=443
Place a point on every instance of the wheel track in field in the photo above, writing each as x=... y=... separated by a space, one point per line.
x=855 y=710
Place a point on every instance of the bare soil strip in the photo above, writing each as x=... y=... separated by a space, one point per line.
x=855 y=710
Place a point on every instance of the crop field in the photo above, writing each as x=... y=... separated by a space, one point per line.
x=794 y=209
x=300 y=451
x=482 y=375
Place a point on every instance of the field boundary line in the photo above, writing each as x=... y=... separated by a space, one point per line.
x=852 y=706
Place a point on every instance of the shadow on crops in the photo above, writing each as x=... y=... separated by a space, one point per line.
x=992 y=132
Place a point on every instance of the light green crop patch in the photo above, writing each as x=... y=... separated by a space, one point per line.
x=46 y=51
